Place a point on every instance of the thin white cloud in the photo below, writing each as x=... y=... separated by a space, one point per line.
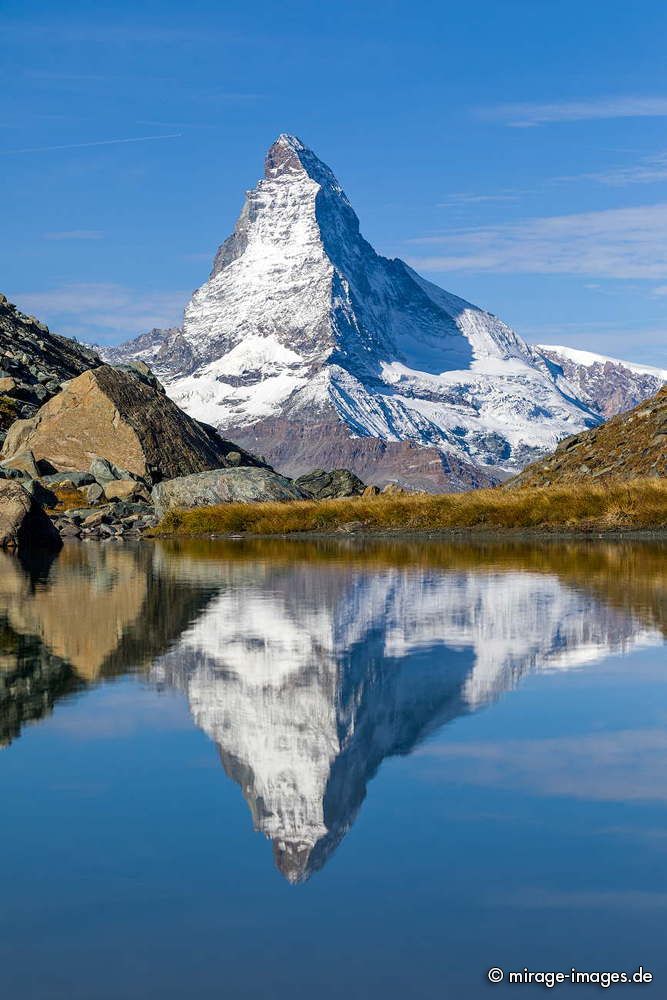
x=84 y=145
x=529 y=114
x=614 y=243
x=660 y=291
x=463 y=198
x=103 y=311
x=75 y=234
x=649 y=170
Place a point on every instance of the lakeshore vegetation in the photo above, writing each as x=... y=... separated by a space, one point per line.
x=636 y=505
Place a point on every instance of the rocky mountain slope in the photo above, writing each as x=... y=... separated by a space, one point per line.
x=308 y=347
x=629 y=445
x=33 y=364
x=608 y=385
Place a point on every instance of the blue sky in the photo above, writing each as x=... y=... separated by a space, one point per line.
x=514 y=152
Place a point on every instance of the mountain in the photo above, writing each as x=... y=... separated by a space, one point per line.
x=630 y=445
x=607 y=385
x=33 y=364
x=308 y=675
x=308 y=347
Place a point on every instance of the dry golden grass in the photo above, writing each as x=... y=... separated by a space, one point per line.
x=635 y=505
x=69 y=499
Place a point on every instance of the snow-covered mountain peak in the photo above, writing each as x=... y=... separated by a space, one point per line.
x=309 y=347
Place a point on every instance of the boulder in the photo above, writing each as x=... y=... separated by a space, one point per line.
x=207 y=489
x=93 y=493
x=338 y=483
x=126 y=417
x=22 y=461
x=23 y=523
x=392 y=489
x=125 y=489
x=371 y=491
x=77 y=479
x=104 y=471
x=43 y=496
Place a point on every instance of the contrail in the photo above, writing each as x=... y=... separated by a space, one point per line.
x=81 y=145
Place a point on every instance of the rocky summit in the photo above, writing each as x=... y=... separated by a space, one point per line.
x=630 y=445
x=307 y=346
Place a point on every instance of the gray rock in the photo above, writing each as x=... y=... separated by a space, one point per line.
x=23 y=523
x=206 y=489
x=78 y=514
x=79 y=479
x=105 y=472
x=93 y=493
x=43 y=496
x=338 y=483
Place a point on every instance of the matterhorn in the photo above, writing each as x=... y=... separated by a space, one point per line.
x=309 y=348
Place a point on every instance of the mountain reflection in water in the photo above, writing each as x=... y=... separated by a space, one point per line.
x=309 y=663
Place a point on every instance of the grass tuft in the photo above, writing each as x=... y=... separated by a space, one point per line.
x=635 y=505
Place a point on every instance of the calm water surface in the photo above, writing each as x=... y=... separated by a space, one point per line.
x=299 y=770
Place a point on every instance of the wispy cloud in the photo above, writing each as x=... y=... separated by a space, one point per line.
x=660 y=291
x=648 y=171
x=463 y=198
x=103 y=311
x=83 y=145
x=614 y=243
x=75 y=234
x=529 y=114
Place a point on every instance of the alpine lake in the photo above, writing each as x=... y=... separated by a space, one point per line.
x=324 y=769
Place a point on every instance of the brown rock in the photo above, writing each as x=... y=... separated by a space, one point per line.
x=7 y=385
x=124 y=417
x=23 y=523
x=93 y=520
x=123 y=489
x=22 y=461
x=392 y=489
x=371 y=491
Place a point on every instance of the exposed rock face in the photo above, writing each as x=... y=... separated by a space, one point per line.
x=223 y=486
x=629 y=445
x=23 y=523
x=33 y=364
x=295 y=447
x=309 y=343
x=125 y=417
x=332 y=485
x=609 y=386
